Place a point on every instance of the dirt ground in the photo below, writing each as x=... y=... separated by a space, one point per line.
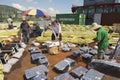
x=24 y=63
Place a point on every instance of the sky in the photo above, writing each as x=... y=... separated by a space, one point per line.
x=52 y=7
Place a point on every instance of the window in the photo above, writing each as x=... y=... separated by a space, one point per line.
x=84 y=10
x=78 y=11
x=99 y=9
x=91 y=10
x=108 y=9
x=116 y=8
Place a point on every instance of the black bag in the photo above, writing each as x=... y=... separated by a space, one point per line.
x=107 y=67
x=79 y=72
x=64 y=65
x=64 y=76
x=43 y=61
x=93 y=52
x=40 y=76
x=77 y=53
x=36 y=51
x=35 y=57
x=93 y=75
x=32 y=72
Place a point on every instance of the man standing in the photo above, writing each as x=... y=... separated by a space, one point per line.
x=25 y=29
x=101 y=39
x=10 y=22
x=56 y=31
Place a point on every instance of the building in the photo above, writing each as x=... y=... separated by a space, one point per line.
x=105 y=12
x=71 y=18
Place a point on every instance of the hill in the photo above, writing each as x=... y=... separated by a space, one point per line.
x=6 y=11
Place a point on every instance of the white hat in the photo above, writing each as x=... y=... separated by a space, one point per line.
x=95 y=26
x=23 y=19
x=49 y=24
x=53 y=19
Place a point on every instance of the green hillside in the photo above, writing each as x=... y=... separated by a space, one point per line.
x=6 y=11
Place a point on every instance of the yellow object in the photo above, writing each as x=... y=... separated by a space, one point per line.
x=47 y=33
x=53 y=50
x=8 y=32
x=1 y=76
x=75 y=34
x=65 y=39
x=43 y=39
x=1 y=67
x=115 y=34
x=88 y=40
x=71 y=36
x=112 y=41
x=30 y=23
x=32 y=12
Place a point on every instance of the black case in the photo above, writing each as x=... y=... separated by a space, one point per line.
x=79 y=72
x=64 y=76
x=93 y=75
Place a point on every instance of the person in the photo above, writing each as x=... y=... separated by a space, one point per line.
x=34 y=30
x=101 y=40
x=56 y=31
x=25 y=29
x=39 y=30
x=10 y=22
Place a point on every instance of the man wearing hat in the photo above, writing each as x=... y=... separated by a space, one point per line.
x=101 y=39
x=25 y=29
x=56 y=31
x=10 y=22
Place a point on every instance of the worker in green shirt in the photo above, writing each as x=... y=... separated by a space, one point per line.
x=101 y=40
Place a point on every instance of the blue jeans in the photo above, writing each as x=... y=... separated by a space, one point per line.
x=25 y=36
